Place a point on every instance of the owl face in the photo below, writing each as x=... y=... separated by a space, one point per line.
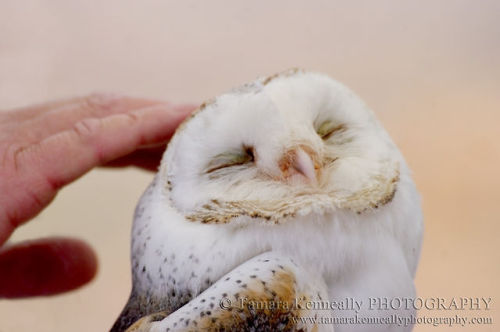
x=292 y=144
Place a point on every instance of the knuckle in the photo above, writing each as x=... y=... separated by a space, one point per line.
x=98 y=102
x=14 y=155
x=87 y=128
x=132 y=117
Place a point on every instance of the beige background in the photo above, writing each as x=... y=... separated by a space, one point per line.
x=430 y=69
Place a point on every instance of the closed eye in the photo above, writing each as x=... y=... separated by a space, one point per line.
x=328 y=128
x=229 y=159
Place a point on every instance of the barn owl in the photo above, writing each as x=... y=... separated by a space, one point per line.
x=282 y=205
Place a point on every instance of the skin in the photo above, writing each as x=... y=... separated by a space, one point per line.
x=45 y=147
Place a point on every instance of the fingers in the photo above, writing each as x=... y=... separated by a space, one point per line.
x=38 y=122
x=92 y=142
x=45 y=267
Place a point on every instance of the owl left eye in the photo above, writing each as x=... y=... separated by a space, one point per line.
x=228 y=159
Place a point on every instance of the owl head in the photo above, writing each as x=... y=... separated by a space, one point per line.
x=288 y=145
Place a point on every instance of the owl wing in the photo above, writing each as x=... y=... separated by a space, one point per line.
x=270 y=292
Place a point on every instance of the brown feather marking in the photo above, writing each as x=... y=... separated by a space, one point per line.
x=286 y=73
x=269 y=305
x=144 y=324
x=373 y=197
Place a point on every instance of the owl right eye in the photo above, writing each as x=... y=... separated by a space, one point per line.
x=328 y=128
x=229 y=159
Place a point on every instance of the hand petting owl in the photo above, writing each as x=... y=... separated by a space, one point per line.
x=274 y=203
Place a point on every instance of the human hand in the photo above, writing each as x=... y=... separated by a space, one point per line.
x=45 y=147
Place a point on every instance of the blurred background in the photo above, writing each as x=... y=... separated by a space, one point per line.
x=429 y=69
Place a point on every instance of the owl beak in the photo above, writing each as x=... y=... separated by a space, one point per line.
x=297 y=164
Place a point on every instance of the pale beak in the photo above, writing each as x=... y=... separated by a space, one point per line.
x=297 y=164
x=304 y=165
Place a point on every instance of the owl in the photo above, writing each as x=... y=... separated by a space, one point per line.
x=282 y=205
